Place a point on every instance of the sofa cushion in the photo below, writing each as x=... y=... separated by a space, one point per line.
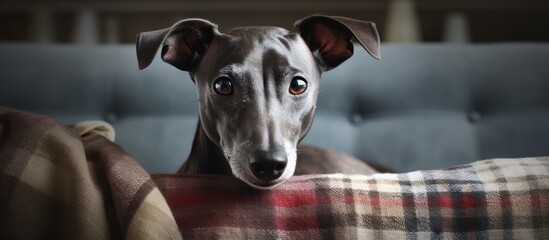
x=425 y=102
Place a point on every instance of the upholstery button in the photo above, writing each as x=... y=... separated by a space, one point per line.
x=474 y=116
x=356 y=118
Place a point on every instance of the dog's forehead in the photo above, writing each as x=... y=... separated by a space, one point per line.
x=262 y=35
x=251 y=45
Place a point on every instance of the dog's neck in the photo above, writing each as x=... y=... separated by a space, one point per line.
x=205 y=157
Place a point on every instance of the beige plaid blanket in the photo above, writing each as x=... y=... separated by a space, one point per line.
x=58 y=182
x=74 y=183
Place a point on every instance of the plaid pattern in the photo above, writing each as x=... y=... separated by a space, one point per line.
x=494 y=199
x=61 y=183
x=73 y=183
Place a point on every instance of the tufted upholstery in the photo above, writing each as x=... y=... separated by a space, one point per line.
x=422 y=106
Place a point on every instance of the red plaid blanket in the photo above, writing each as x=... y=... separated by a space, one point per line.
x=73 y=183
x=495 y=199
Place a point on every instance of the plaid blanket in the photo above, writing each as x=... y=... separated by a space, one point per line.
x=74 y=183
x=494 y=199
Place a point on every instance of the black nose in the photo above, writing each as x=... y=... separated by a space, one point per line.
x=268 y=165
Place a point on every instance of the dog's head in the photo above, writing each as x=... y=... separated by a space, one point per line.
x=257 y=86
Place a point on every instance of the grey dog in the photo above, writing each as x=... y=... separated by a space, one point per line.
x=257 y=89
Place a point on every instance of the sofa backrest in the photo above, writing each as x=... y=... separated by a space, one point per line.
x=423 y=106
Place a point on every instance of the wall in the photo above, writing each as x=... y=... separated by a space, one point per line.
x=119 y=21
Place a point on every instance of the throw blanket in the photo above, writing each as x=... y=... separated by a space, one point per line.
x=59 y=182
x=494 y=199
x=74 y=183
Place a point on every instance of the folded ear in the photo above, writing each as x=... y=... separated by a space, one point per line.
x=329 y=38
x=182 y=44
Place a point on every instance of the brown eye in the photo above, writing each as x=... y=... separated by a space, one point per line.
x=298 y=86
x=223 y=86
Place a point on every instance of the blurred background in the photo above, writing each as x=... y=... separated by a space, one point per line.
x=118 y=21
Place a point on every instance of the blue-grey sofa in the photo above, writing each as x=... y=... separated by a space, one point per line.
x=423 y=106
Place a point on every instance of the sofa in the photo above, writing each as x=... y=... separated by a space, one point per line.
x=423 y=106
x=430 y=111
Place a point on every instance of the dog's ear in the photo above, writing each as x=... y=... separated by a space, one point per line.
x=329 y=38
x=182 y=44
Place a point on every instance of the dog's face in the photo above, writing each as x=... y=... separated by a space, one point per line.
x=258 y=86
x=257 y=100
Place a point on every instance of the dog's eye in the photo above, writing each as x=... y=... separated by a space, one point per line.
x=298 y=86
x=223 y=86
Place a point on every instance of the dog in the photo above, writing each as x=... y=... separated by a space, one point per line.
x=257 y=90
